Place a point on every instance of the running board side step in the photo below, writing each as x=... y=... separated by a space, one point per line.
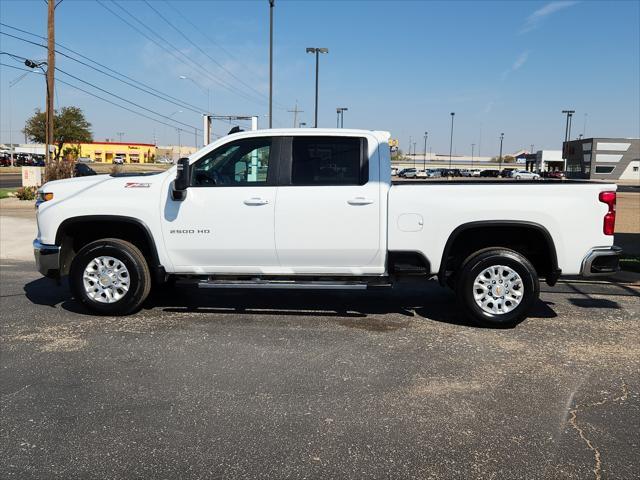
x=291 y=284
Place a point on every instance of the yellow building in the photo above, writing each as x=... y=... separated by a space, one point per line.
x=128 y=152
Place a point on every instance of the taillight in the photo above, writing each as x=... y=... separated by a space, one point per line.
x=610 y=218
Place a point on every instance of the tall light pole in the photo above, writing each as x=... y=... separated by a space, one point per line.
x=453 y=114
x=340 y=111
x=317 y=52
x=424 y=159
x=567 y=135
x=414 y=154
x=473 y=146
x=120 y=135
x=271 y=5
x=500 y=160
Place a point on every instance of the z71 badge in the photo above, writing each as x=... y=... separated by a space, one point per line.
x=136 y=185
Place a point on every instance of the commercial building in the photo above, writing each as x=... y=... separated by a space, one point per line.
x=549 y=161
x=107 y=151
x=603 y=158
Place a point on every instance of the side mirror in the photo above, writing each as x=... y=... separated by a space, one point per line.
x=183 y=177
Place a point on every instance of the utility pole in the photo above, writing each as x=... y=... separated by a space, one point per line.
x=51 y=68
x=295 y=112
x=410 y=141
x=424 y=159
x=567 y=135
x=317 y=52
x=501 y=139
x=453 y=114
x=120 y=134
x=271 y=5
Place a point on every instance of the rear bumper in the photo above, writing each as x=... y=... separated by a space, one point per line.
x=601 y=261
x=47 y=259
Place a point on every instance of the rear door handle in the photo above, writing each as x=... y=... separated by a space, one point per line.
x=256 y=201
x=359 y=201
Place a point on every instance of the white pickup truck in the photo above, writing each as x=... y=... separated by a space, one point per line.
x=316 y=208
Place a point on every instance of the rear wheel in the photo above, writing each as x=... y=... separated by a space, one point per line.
x=110 y=277
x=497 y=287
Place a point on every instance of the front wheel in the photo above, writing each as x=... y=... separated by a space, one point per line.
x=110 y=277
x=497 y=287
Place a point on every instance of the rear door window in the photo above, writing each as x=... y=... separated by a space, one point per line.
x=328 y=161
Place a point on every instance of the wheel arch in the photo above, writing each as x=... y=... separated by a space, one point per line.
x=70 y=238
x=549 y=269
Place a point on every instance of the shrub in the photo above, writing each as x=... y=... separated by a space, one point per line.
x=58 y=170
x=116 y=168
x=27 y=193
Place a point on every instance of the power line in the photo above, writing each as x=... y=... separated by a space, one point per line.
x=189 y=59
x=122 y=98
x=200 y=49
x=170 y=99
x=105 y=100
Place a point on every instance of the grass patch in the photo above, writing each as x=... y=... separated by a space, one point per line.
x=4 y=192
x=630 y=263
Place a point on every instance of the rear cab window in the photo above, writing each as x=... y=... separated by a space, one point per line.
x=317 y=160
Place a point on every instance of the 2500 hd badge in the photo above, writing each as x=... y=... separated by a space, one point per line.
x=191 y=231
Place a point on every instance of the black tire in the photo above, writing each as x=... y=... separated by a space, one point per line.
x=476 y=264
x=138 y=273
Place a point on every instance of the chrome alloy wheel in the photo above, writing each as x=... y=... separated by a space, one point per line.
x=106 y=279
x=498 y=289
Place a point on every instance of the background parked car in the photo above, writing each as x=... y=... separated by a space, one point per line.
x=83 y=170
x=506 y=172
x=422 y=174
x=525 y=175
x=490 y=173
x=118 y=161
x=409 y=173
x=556 y=175
x=433 y=173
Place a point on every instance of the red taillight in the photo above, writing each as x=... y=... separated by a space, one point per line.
x=610 y=218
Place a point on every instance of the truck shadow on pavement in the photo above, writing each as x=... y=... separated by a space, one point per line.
x=365 y=310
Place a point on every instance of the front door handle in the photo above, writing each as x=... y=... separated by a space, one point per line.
x=359 y=201
x=256 y=201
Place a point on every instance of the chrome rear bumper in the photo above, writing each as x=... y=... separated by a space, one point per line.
x=601 y=261
x=47 y=259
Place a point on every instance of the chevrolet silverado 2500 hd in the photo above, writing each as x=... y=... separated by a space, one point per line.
x=316 y=208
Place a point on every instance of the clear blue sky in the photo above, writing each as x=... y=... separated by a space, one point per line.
x=401 y=66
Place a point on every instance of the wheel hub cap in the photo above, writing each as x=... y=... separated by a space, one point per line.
x=106 y=279
x=498 y=289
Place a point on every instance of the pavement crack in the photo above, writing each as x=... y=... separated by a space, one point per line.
x=13 y=394
x=573 y=421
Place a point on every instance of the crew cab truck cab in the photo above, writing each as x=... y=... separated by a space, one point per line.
x=316 y=208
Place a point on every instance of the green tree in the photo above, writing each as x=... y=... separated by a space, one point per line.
x=69 y=127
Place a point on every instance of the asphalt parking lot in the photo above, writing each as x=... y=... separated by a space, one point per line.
x=391 y=384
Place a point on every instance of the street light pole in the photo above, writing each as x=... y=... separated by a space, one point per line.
x=340 y=121
x=567 y=133
x=48 y=113
x=271 y=5
x=453 y=114
x=500 y=160
x=473 y=146
x=424 y=159
x=317 y=52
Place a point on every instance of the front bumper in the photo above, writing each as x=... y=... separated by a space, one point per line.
x=601 y=261
x=47 y=259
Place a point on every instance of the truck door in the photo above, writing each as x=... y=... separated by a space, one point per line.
x=225 y=223
x=328 y=215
